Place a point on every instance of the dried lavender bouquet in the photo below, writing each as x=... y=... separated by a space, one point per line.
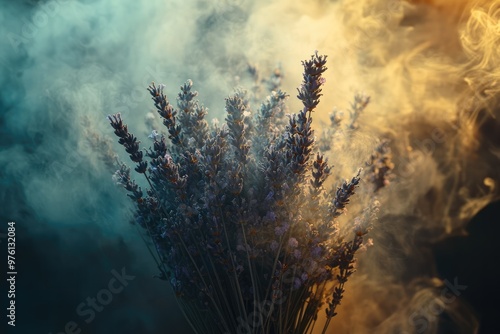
x=238 y=216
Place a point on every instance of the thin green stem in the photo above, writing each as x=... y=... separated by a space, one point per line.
x=250 y=268
x=234 y=266
x=204 y=283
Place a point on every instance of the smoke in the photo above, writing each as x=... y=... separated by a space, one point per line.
x=431 y=68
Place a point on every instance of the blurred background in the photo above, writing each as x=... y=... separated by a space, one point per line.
x=431 y=68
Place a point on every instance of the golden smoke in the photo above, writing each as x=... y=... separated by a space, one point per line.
x=432 y=69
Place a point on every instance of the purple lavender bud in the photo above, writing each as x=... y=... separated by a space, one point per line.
x=293 y=243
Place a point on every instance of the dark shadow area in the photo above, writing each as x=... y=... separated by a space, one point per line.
x=474 y=261
x=59 y=269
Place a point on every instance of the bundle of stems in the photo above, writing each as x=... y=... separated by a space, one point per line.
x=238 y=217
